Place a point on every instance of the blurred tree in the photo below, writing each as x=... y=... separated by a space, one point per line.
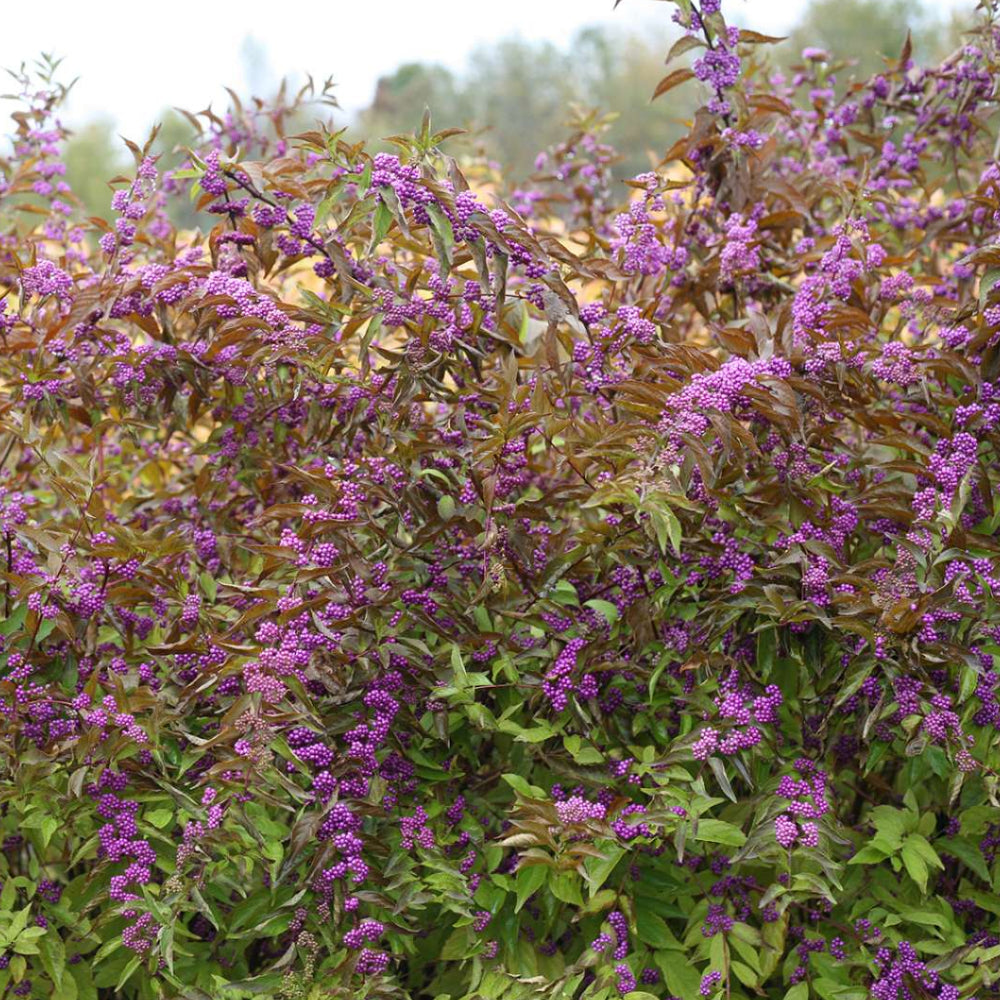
x=521 y=92
x=515 y=97
x=175 y=135
x=870 y=31
x=618 y=72
x=401 y=98
x=95 y=154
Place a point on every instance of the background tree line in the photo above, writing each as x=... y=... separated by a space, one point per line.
x=514 y=83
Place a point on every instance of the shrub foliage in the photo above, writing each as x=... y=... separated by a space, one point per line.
x=419 y=589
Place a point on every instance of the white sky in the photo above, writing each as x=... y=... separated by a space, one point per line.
x=134 y=59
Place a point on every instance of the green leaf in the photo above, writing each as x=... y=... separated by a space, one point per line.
x=767 y=651
x=969 y=680
x=602 y=900
x=565 y=886
x=106 y=949
x=744 y=973
x=985 y=900
x=665 y=525
x=683 y=978
x=588 y=756
x=446 y=507
x=268 y=983
x=381 y=221
x=870 y=854
x=459 y=942
x=18 y=967
x=537 y=734
x=442 y=233
x=717 y=831
x=565 y=593
x=800 y=991
x=923 y=848
x=976 y=819
x=987 y=283
x=83 y=978
x=915 y=865
x=209 y=585
x=68 y=990
x=599 y=870
x=718 y=952
x=159 y=817
x=18 y=923
x=373 y=327
x=45 y=629
x=461 y=678
x=494 y=984
x=746 y=933
x=674 y=530
x=606 y=608
x=127 y=972
x=522 y=787
x=719 y=770
x=527 y=881
x=855 y=678
x=48 y=827
x=15 y=620
x=748 y=952
x=891 y=824
x=925 y=918
x=968 y=853
x=52 y=955
x=831 y=989
x=653 y=929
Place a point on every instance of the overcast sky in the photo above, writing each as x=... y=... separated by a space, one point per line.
x=133 y=59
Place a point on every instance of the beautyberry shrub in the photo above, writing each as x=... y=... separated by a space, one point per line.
x=419 y=588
